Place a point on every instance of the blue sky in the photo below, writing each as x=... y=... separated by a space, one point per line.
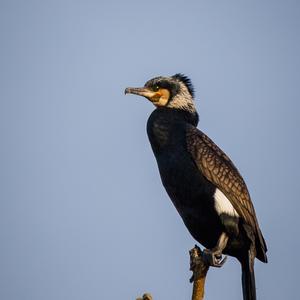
x=83 y=213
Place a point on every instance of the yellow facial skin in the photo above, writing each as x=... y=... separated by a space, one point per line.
x=158 y=98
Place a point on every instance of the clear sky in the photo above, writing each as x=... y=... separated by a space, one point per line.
x=83 y=214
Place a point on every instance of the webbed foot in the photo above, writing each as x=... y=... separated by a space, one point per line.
x=214 y=258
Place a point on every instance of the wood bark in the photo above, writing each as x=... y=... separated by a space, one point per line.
x=199 y=268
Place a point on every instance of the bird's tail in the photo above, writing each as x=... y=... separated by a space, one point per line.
x=248 y=278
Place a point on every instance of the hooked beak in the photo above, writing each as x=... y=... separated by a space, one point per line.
x=145 y=92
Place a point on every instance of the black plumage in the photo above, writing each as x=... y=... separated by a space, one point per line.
x=202 y=182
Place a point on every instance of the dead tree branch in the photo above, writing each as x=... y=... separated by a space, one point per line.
x=146 y=296
x=199 y=267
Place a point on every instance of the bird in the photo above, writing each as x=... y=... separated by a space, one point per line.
x=204 y=185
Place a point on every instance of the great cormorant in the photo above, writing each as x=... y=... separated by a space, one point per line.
x=204 y=185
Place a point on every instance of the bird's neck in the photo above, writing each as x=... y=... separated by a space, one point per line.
x=174 y=115
x=166 y=127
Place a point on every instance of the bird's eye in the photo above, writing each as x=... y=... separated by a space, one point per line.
x=156 y=88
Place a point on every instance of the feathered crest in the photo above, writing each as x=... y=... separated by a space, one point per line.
x=186 y=81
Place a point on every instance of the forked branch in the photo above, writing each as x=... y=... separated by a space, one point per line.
x=199 y=267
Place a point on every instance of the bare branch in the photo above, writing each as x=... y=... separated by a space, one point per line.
x=146 y=296
x=199 y=268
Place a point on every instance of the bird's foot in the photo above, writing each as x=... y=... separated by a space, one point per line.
x=214 y=258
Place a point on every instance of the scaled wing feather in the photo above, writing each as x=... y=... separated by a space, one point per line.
x=216 y=166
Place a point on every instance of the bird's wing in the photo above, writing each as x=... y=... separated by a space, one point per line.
x=216 y=166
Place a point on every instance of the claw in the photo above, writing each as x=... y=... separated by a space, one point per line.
x=222 y=262
x=214 y=259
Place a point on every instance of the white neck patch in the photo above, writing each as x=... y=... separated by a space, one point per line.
x=183 y=100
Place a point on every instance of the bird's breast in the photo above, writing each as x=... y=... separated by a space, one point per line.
x=181 y=178
x=191 y=194
x=165 y=131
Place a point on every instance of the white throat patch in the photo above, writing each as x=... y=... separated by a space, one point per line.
x=183 y=100
x=223 y=205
